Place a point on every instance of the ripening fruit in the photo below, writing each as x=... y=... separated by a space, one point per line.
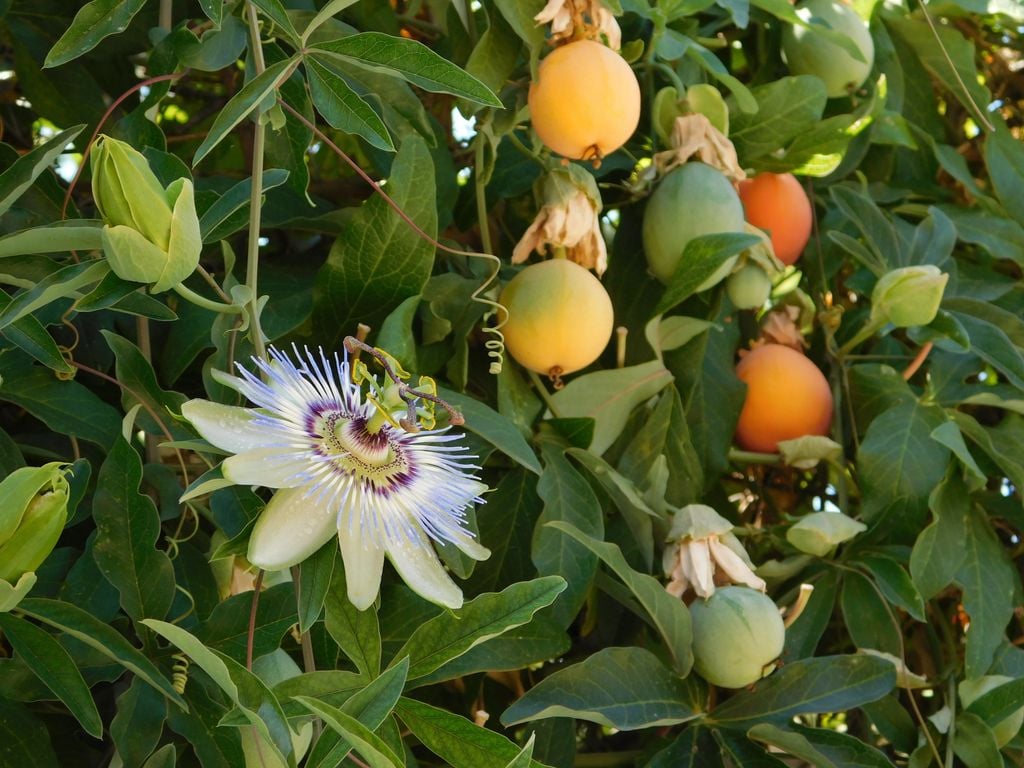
x=560 y=317
x=585 y=103
x=787 y=397
x=737 y=634
x=809 y=53
x=693 y=200
x=777 y=203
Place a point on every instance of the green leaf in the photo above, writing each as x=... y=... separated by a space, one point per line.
x=139 y=385
x=999 y=703
x=822 y=684
x=128 y=527
x=990 y=342
x=636 y=513
x=370 y=747
x=71 y=235
x=227 y=628
x=275 y=11
x=938 y=552
x=567 y=497
x=17 y=179
x=975 y=743
x=624 y=688
x=786 y=108
x=331 y=9
x=315 y=576
x=608 y=397
x=821 y=747
x=519 y=14
x=55 y=667
x=67 y=407
x=93 y=22
x=894 y=583
x=370 y=706
x=243 y=103
x=29 y=335
x=713 y=66
x=412 y=61
x=379 y=261
x=517 y=648
x=694 y=748
x=492 y=427
x=100 y=636
x=231 y=210
x=455 y=739
x=989 y=580
x=877 y=231
x=450 y=635
x=356 y=632
x=65 y=282
x=343 y=108
x=138 y=724
x=867 y=620
x=24 y=741
x=165 y=757
x=898 y=461
x=702 y=258
x=255 y=701
x=667 y=613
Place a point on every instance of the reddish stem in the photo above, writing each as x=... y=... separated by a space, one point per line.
x=106 y=115
x=918 y=361
x=257 y=587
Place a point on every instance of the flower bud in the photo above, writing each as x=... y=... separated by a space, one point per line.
x=151 y=233
x=908 y=296
x=820 y=532
x=33 y=510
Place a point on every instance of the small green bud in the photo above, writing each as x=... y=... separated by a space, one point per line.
x=820 y=532
x=33 y=510
x=152 y=234
x=908 y=296
x=749 y=287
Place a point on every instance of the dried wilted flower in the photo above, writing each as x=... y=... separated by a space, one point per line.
x=569 y=219
x=571 y=19
x=701 y=547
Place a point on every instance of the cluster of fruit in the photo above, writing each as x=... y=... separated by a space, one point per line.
x=585 y=104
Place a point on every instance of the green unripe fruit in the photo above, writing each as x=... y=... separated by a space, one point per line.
x=693 y=200
x=808 y=52
x=970 y=690
x=737 y=633
x=749 y=287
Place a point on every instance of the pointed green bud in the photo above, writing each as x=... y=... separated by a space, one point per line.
x=152 y=234
x=908 y=296
x=33 y=510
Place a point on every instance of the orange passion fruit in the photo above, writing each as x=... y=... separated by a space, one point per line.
x=777 y=203
x=787 y=397
x=585 y=102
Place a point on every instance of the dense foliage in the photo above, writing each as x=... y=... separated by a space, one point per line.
x=184 y=184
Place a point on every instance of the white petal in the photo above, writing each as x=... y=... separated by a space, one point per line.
x=269 y=467
x=364 y=562
x=228 y=427
x=734 y=567
x=701 y=572
x=418 y=565
x=290 y=529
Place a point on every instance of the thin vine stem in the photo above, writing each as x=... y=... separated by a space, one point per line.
x=255 y=196
x=477 y=295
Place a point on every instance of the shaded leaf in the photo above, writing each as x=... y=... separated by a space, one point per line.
x=624 y=688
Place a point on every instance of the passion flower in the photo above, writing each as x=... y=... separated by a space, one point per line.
x=343 y=467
